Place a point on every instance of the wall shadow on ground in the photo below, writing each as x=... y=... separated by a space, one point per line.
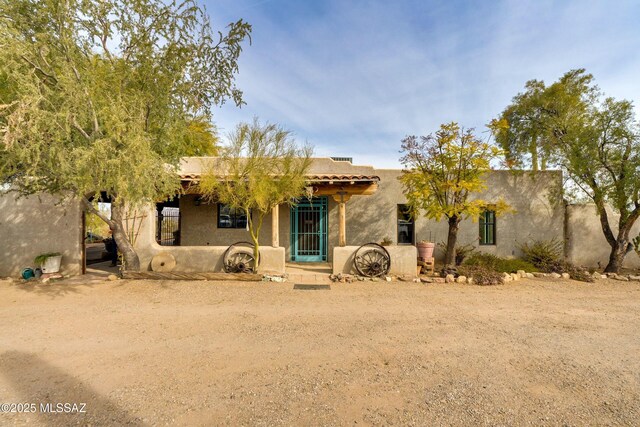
x=54 y=289
x=35 y=380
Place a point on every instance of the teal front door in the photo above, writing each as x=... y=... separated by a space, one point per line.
x=309 y=230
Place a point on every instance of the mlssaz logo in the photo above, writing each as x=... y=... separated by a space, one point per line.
x=64 y=408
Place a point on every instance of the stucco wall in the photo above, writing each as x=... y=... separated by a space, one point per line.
x=206 y=257
x=35 y=225
x=587 y=245
x=539 y=214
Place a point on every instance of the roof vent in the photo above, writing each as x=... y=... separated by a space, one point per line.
x=343 y=159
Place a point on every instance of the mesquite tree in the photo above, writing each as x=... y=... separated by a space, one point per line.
x=443 y=172
x=261 y=168
x=105 y=97
x=595 y=141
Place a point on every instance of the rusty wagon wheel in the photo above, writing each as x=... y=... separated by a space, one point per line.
x=372 y=260
x=238 y=258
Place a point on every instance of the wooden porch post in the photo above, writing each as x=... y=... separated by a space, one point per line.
x=275 y=227
x=342 y=236
x=342 y=197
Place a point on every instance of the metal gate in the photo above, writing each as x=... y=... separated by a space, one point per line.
x=168 y=226
x=309 y=230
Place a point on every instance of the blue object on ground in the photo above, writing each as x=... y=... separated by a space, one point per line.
x=28 y=273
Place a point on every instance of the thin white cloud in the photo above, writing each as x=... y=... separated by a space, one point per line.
x=353 y=78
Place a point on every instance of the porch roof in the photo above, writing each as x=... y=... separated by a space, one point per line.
x=322 y=170
x=327 y=176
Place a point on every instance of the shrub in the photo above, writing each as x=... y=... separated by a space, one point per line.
x=462 y=252
x=513 y=265
x=481 y=275
x=580 y=274
x=483 y=260
x=498 y=264
x=543 y=254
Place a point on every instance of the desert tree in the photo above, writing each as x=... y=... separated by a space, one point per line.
x=520 y=129
x=261 y=168
x=595 y=141
x=443 y=174
x=105 y=96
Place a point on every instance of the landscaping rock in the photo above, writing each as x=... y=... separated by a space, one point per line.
x=506 y=277
x=539 y=275
x=470 y=280
x=416 y=280
x=596 y=276
x=112 y=277
x=529 y=275
x=619 y=277
x=439 y=280
x=388 y=279
x=565 y=276
x=426 y=280
x=461 y=279
x=555 y=275
x=449 y=278
x=634 y=278
x=522 y=273
x=405 y=279
x=342 y=278
x=515 y=276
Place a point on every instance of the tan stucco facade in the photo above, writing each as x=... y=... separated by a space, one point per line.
x=539 y=214
x=586 y=244
x=34 y=225
x=197 y=258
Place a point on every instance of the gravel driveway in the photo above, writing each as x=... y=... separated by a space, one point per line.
x=204 y=353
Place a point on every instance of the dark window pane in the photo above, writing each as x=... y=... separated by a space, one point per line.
x=231 y=217
x=405 y=225
x=488 y=228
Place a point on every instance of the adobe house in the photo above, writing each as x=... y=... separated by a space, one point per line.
x=351 y=205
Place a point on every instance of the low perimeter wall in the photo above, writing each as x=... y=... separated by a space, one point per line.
x=586 y=244
x=194 y=259
x=30 y=226
x=403 y=260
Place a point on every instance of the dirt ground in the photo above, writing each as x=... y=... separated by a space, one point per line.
x=204 y=353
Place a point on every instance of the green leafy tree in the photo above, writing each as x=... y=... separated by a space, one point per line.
x=261 y=168
x=520 y=130
x=595 y=141
x=442 y=173
x=105 y=96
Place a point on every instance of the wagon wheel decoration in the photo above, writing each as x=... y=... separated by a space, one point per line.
x=372 y=260
x=238 y=258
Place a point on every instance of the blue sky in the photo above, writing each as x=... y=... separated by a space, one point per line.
x=354 y=77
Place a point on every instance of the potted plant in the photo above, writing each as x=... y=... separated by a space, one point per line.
x=425 y=249
x=49 y=262
x=386 y=242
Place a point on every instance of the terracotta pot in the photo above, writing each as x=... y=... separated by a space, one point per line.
x=425 y=249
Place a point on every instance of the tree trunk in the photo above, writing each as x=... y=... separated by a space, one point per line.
x=452 y=237
x=620 y=247
x=254 y=231
x=533 y=149
x=131 y=260
x=616 y=257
